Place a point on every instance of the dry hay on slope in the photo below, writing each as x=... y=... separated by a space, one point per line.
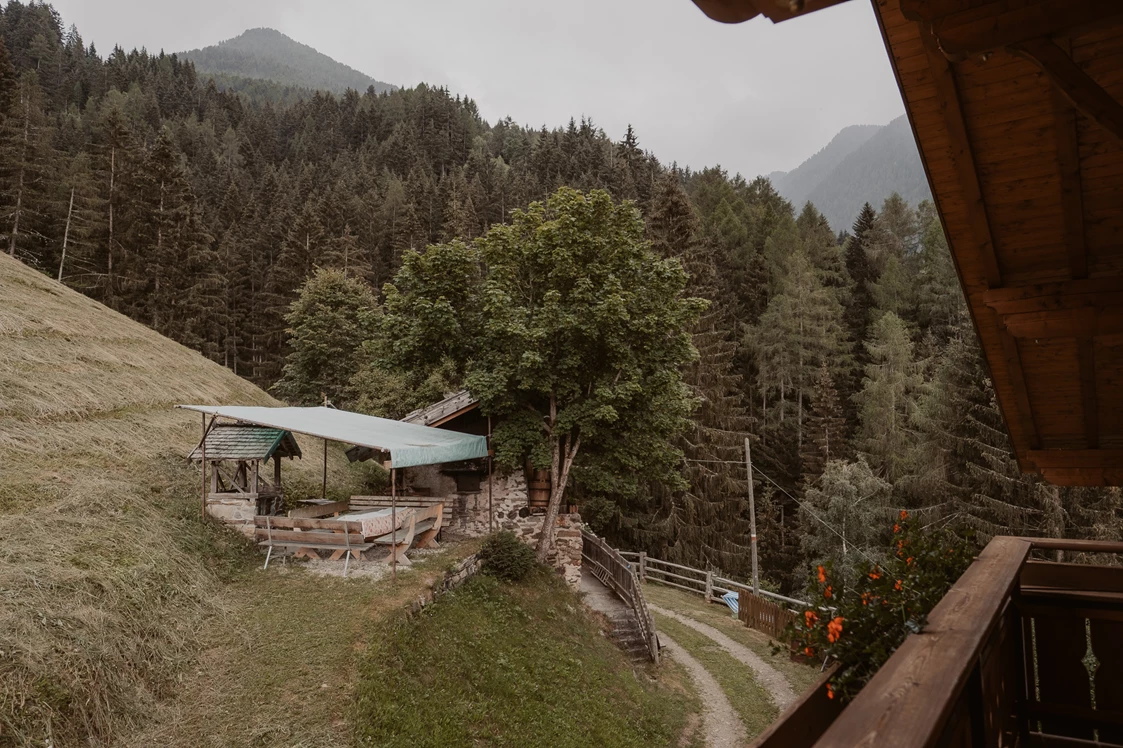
x=105 y=570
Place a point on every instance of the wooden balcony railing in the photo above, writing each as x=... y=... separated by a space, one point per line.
x=1019 y=653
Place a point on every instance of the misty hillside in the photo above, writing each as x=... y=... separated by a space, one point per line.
x=861 y=164
x=798 y=183
x=270 y=55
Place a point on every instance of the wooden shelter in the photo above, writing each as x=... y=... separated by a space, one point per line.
x=1016 y=107
x=235 y=453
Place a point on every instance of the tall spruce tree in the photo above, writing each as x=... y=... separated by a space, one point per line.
x=706 y=523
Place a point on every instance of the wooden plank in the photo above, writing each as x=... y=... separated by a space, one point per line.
x=320 y=510
x=1088 y=402
x=1106 y=638
x=1052 y=574
x=1059 y=644
x=1072 y=195
x=805 y=720
x=1074 y=458
x=995 y=25
x=323 y=538
x=910 y=699
x=1077 y=86
x=1061 y=295
x=964 y=159
x=1017 y=379
x=298 y=523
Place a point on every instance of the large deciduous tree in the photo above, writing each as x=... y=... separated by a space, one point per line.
x=574 y=334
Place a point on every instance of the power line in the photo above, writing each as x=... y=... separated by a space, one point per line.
x=797 y=501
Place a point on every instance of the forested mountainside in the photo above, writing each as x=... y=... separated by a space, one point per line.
x=796 y=185
x=202 y=213
x=268 y=54
x=861 y=164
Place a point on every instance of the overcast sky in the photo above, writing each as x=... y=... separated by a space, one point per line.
x=754 y=98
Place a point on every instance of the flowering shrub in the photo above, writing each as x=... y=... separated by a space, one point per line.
x=861 y=625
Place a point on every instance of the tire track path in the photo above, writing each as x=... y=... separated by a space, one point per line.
x=769 y=677
x=721 y=725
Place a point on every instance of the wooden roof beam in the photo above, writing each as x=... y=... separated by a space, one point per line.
x=948 y=96
x=1077 y=86
x=1072 y=191
x=979 y=30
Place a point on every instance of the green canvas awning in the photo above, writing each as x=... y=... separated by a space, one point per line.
x=408 y=444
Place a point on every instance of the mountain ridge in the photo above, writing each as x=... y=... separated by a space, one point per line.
x=267 y=54
x=862 y=163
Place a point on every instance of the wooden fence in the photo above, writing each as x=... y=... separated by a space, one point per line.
x=765 y=611
x=607 y=565
x=764 y=615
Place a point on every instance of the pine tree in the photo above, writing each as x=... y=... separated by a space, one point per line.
x=328 y=324
x=705 y=524
x=859 y=306
x=889 y=398
x=826 y=428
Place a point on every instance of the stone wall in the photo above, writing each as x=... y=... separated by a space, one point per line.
x=234 y=511
x=452 y=579
x=565 y=556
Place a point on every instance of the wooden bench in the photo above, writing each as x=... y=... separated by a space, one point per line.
x=306 y=536
x=418 y=530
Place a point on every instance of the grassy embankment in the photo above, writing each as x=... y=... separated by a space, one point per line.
x=107 y=574
x=514 y=665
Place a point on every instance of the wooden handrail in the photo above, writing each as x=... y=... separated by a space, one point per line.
x=607 y=565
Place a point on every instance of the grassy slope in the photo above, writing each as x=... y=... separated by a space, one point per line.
x=513 y=665
x=800 y=676
x=106 y=574
x=282 y=670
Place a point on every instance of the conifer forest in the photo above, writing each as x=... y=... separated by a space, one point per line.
x=845 y=352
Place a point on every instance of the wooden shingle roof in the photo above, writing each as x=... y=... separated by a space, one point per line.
x=1016 y=107
x=246 y=442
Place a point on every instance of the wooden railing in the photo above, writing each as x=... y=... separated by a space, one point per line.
x=705 y=583
x=607 y=565
x=1020 y=652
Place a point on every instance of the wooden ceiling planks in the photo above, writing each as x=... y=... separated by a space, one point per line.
x=1031 y=124
x=1017 y=109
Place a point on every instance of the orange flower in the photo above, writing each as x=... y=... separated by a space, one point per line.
x=827 y=592
x=810 y=617
x=904 y=515
x=875 y=574
x=865 y=598
x=908 y=560
x=830 y=691
x=834 y=630
x=896 y=528
x=897 y=586
x=822 y=575
x=809 y=651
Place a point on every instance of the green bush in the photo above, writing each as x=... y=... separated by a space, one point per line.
x=869 y=618
x=505 y=557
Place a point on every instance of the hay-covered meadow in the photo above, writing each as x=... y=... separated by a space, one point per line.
x=106 y=572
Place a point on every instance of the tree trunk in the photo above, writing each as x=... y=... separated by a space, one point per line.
x=66 y=235
x=22 y=176
x=559 y=476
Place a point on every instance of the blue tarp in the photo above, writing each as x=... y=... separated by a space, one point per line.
x=733 y=600
x=408 y=444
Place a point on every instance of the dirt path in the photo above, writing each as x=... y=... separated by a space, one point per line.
x=769 y=677
x=720 y=723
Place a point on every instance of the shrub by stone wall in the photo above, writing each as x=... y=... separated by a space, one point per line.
x=452 y=579
x=565 y=556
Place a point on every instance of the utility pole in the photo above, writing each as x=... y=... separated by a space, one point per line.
x=752 y=515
